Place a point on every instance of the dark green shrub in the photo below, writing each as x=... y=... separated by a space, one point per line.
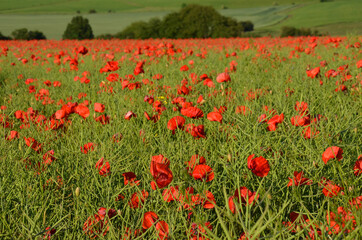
x=20 y=34
x=24 y=34
x=36 y=35
x=78 y=28
x=294 y=32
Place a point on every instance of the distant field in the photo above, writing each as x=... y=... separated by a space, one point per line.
x=333 y=17
x=336 y=18
x=71 y=6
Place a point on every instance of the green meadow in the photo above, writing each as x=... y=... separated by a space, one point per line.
x=339 y=17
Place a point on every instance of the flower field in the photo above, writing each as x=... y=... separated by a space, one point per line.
x=181 y=139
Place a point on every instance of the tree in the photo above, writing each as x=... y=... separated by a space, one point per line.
x=192 y=21
x=20 y=34
x=24 y=34
x=36 y=35
x=78 y=28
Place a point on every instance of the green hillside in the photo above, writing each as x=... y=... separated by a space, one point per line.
x=338 y=17
x=71 y=6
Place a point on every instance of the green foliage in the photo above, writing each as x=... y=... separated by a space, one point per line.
x=104 y=36
x=292 y=31
x=3 y=37
x=20 y=34
x=79 y=28
x=192 y=21
x=24 y=34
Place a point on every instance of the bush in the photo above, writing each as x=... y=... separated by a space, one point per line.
x=294 y=32
x=92 y=11
x=192 y=21
x=20 y=34
x=106 y=36
x=79 y=28
x=36 y=35
x=24 y=34
x=3 y=37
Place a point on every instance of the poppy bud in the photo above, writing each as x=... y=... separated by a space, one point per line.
x=77 y=192
x=229 y=157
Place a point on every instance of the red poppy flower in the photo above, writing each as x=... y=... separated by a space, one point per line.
x=259 y=166
x=129 y=115
x=331 y=153
x=184 y=68
x=192 y=112
x=209 y=202
x=31 y=142
x=13 y=134
x=49 y=232
x=243 y=110
x=87 y=147
x=171 y=194
x=215 y=116
x=98 y=107
x=274 y=121
x=244 y=196
x=313 y=73
x=358 y=166
x=262 y=118
x=223 y=77
x=330 y=189
x=48 y=157
x=103 y=167
x=162 y=229
x=160 y=171
x=195 y=160
x=299 y=180
x=198 y=231
x=97 y=224
x=103 y=119
x=137 y=199
x=130 y=178
x=301 y=107
x=309 y=133
x=149 y=219
x=196 y=131
x=82 y=111
x=175 y=123
x=300 y=120
x=203 y=171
